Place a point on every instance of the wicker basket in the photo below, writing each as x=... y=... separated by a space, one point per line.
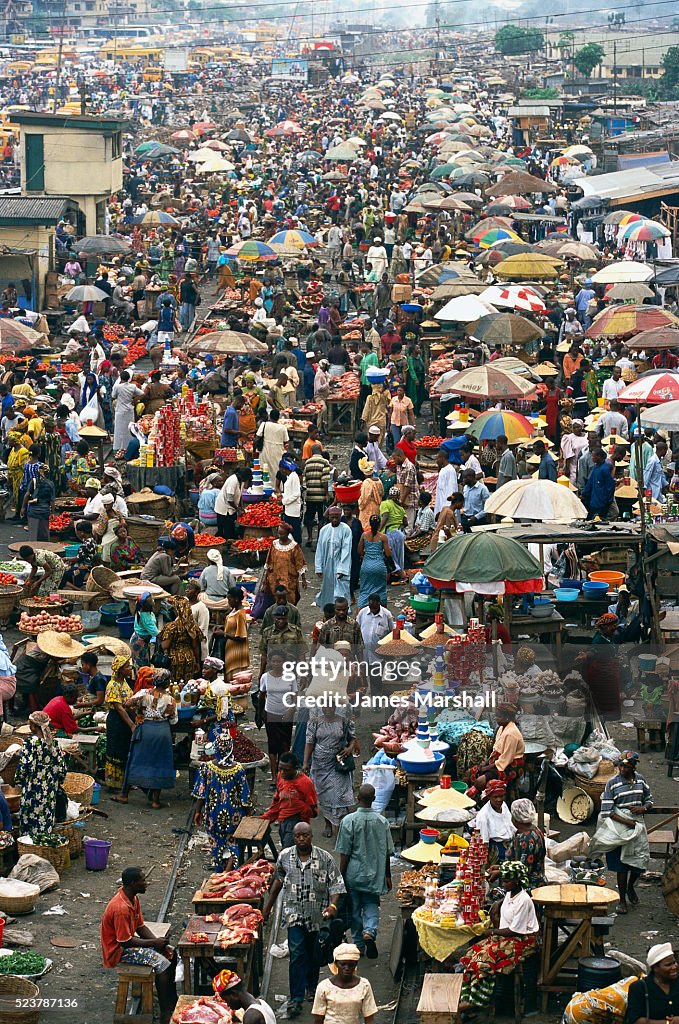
x=199 y=552
x=75 y=835
x=12 y=795
x=145 y=534
x=12 y=989
x=595 y=787
x=100 y=579
x=9 y=771
x=9 y=595
x=147 y=503
x=33 y=607
x=58 y=856
x=18 y=904
x=78 y=787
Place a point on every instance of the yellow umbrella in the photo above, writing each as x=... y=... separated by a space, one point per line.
x=528 y=266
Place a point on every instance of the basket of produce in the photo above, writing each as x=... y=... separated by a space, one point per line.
x=261 y=518
x=78 y=787
x=14 y=990
x=61 y=523
x=50 y=846
x=9 y=771
x=49 y=602
x=146 y=503
x=204 y=543
x=100 y=580
x=17 y=568
x=17 y=897
x=74 y=831
x=34 y=624
x=9 y=595
x=24 y=964
x=251 y=550
x=594 y=787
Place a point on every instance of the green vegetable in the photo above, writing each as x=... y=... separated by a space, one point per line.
x=12 y=566
x=51 y=839
x=25 y=962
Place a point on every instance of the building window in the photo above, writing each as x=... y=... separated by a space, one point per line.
x=116 y=145
x=35 y=163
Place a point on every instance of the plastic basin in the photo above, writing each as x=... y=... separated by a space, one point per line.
x=424 y=604
x=348 y=492
x=96 y=853
x=427 y=767
x=571 y=584
x=542 y=610
x=595 y=588
x=566 y=594
x=125 y=624
x=613 y=578
x=109 y=612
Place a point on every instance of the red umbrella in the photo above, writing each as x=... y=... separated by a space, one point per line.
x=200 y=127
x=652 y=388
x=628 y=319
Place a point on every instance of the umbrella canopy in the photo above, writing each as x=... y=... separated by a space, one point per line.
x=656 y=339
x=18 y=337
x=487 y=382
x=485 y=562
x=514 y=297
x=343 y=152
x=519 y=183
x=645 y=231
x=628 y=319
x=284 y=128
x=86 y=293
x=570 y=250
x=496 y=422
x=632 y=292
x=652 y=389
x=227 y=342
x=103 y=245
x=664 y=417
x=536 y=500
x=469 y=197
x=464 y=309
x=184 y=135
x=215 y=144
x=251 y=251
x=513 y=365
x=622 y=217
x=505 y=329
x=490 y=238
x=623 y=272
x=156 y=219
x=529 y=267
x=215 y=165
x=294 y=238
x=440 y=273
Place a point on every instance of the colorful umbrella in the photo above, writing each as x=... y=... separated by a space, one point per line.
x=496 y=422
x=486 y=563
x=495 y=235
x=622 y=217
x=505 y=329
x=529 y=267
x=536 y=500
x=184 y=135
x=295 y=239
x=487 y=382
x=464 y=309
x=514 y=297
x=652 y=388
x=225 y=343
x=157 y=219
x=627 y=319
x=646 y=231
x=251 y=251
x=441 y=273
x=18 y=337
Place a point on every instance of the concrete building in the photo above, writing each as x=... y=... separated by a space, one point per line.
x=78 y=156
x=27 y=242
x=637 y=54
x=100 y=15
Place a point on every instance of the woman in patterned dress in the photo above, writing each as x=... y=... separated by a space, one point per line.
x=223 y=799
x=119 y=724
x=40 y=771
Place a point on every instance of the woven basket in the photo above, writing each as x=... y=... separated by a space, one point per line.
x=595 y=787
x=33 y=606
x=144 y=534
x=199 y=553
x=9 y=771
x=74 y=835
x=78 y=787
x=18 y=904
x=9 y=595
x=100 y=579
x=12 y=989
x=149 y=504
x=58 y=856
x=12 y=795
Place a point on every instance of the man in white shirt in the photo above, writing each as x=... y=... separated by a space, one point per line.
x=244 y=226
x=292 y=498
x=334 y=244
x=614 y=385
x=469 y=461
x=94 y=505
x=375 y=622
x=624 y=362
x=446 y=483
x=226 y=505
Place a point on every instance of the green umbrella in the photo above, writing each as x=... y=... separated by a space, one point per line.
x=483 y=558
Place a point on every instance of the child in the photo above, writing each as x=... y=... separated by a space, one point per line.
x=295 y=799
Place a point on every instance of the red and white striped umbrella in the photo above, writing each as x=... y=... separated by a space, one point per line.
x=514 y=297
x=652 y=389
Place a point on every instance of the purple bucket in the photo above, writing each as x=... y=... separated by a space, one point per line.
x=96 y=853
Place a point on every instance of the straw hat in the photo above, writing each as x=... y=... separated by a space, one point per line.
x=59 y=645
x=615 y=439
x=574 y=805
x=111 y=644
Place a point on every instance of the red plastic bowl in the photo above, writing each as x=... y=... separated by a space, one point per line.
x=348 y=493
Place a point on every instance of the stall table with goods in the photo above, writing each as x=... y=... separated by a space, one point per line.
x=161 y=459
x=201 y=1010
x=96 y=437
x=229 y=938
x=247 y=884
x=342 y=403
x=198 y=424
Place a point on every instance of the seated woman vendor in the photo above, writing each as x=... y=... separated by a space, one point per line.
x=59 y=709
x=506 y=759
x=95 y=683
x=87 y=557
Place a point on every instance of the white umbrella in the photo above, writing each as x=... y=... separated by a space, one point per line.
x=86 y=293
x=214 y=165
x=623 y=272
x=201 y=156
x=662 y=417
x=537 y=500
x=465 y=309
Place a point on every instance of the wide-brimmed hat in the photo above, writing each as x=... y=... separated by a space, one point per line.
x=366 y=466
x=59 y=645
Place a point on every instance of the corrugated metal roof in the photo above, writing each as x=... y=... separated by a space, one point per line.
x=41 y=209
x=632 y=182
x=528 y=111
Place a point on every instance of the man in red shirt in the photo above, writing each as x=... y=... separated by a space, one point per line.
x=59 y=710
x=126 y=939
x=295 y=799
x=388 y=338
x=665 y=361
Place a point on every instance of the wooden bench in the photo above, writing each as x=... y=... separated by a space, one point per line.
x=134 y=981
x=440 y=999
x=662 y=837
x=253 y=835
x=650 y=731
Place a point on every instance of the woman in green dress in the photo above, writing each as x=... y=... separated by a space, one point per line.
x=119 y=724
x=415 y=388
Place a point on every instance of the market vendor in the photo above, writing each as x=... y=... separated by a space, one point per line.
x=655 y=997
x=621 y=832
x=159 y=568
x=222 y=799
x=229 y=988
x=216 y=579
x=603 y=667
x=514 y=934
x=494 y=820
x=53 y=570
x=506 y=760
x=62 y=718
x=184 y=538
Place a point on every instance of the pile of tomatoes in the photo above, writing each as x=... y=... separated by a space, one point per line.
x=429 y=441
x=135 y=350
x=70 y=368
x=265 y=514
x=207 y=540
x=252 y=544
x=6 y=579
x=43 y=620
x=60 y=523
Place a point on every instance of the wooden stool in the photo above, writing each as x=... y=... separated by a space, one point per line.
x=254 y=833
x=134 y=981
x=440 y=999
x=652 y=728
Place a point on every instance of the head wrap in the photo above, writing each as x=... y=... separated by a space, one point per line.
x=345 y=952
x=144 y=680
x=395 y=493
x=224 y=748
x=334 y=510
x=215 y=556
x=14 y=435
x=92 y=483
x=225 y=980
x=68 y=401
x=628 y=757
x=608 y=619
x=215 y=663
x=184 y=620
x=178 y=532
x=514 y=870
x=119 y=662
x=507 y=708
x=41 y=721
x=493 y=787
x=659 y=952
x=524 y=812
x=142 y=597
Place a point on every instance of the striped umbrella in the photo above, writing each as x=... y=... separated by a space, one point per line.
x=514 y=297
x=490 y=238
x=157 y=219
x=251 y=251
x=629 y=319
x=295 y=239
x=492 y=424
x=645 y=231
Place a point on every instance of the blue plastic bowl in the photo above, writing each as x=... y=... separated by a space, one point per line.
x=186 y=714
x=595 y=588
x=110 y=612
x=566 y=594
x=249 y=585
x=375 y=375
x=125 y=624
x=572 y=584
x=421 y=767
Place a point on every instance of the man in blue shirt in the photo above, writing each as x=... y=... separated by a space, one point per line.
x=582 y=301
x=598 y=493
x=547 y=467
x=655 y=480
x=476 y=495
x=230 y=424
x=308 y=375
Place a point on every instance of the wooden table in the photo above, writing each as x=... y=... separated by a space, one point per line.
x=552 y=627
x=254 y=832
x=95 y=437
x=413 y=783
x=203 y=953
x=217 y=905
x=568 y=909
x=88 y=746
x=440 y=999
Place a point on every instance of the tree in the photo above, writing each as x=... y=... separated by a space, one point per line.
x=546 y=93
x=512 y=39
x=669 y=82
x=588 y=57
